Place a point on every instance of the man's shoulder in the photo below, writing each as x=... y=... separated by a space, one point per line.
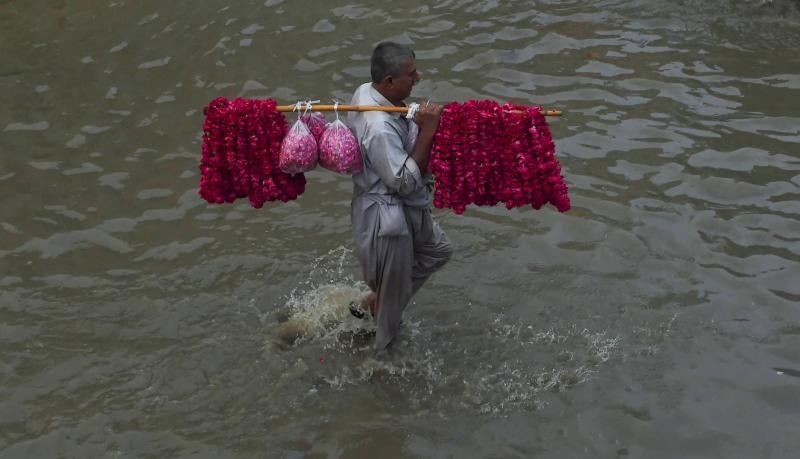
x=362 y=95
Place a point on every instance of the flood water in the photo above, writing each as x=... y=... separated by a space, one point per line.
x=659 y=318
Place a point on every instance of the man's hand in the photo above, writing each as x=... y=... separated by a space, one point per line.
x=428 y=115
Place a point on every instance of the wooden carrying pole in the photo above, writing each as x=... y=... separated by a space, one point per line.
x=370 y=108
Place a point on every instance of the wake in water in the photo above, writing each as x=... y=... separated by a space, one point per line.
x=493 y=365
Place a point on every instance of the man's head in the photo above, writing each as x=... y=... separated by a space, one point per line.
x=394 y=71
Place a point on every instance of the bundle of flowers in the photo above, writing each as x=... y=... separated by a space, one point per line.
x=485 y=153
x=241 y=144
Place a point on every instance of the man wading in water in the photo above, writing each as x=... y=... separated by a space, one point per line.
x=397 y=241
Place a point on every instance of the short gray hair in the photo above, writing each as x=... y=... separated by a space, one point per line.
x=387 y=60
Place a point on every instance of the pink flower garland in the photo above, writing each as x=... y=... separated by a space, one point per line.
x=485 y=153
x=241 y=142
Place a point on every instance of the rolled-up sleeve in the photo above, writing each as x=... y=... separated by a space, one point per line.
x=396 y=168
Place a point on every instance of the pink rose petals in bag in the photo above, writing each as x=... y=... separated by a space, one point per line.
x=316 y=123
x=298 y=150
x=339 y=150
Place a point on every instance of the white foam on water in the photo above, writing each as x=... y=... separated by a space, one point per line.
x=497 y=369
x=532 y=361
x=317 y=309
x=507 y=371
x=323 y=312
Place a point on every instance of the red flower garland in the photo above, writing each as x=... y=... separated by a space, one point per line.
x=485 y=153
x=241 y=141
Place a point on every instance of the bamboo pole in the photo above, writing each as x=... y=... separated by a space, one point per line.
x=372 y=108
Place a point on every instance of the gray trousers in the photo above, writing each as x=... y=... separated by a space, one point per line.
x=399 y=247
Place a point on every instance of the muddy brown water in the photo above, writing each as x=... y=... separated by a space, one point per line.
x=659 y=318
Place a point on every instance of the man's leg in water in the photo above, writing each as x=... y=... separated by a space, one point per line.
x=432 y=248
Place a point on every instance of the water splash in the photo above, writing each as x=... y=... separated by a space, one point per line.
x=317 y=309
x=534 y=361
x=496 y=369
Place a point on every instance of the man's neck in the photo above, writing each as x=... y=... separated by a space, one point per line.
x=382 y=92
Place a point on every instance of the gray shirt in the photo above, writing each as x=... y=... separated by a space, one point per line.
x=387 y=140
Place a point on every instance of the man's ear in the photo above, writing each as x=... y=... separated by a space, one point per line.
x=388 y=79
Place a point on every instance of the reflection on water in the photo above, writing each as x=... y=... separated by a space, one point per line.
x=659 y=315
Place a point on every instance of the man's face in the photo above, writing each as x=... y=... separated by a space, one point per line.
x=405 y=81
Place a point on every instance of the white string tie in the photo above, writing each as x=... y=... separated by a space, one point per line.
x=413 y=108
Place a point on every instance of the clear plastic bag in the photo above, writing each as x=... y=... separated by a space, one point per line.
x=316 y=123
x=339 y=150
x=298 y=150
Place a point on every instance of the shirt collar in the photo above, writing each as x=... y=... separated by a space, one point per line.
x=380 y=100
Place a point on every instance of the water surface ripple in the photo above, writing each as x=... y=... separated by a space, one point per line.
x=658 y=318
